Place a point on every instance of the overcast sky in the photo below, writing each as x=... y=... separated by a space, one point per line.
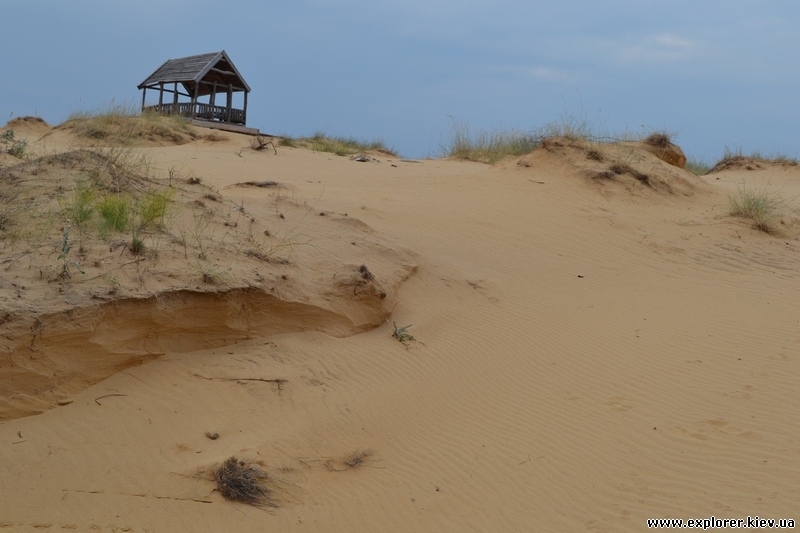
x=717 y=73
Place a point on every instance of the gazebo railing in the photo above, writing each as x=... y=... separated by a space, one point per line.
x=198 y=110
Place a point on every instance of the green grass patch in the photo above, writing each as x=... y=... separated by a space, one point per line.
x=153 y=207
x=115 y=212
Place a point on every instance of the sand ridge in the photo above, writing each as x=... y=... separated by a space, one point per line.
x=593 y=354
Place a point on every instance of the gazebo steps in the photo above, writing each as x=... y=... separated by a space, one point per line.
x=225 y=126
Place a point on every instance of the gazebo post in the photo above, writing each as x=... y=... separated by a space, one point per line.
x=230 y=103
x=193 y=113
x=213 y=99
x=161 y=97
x=175 y=99
x=244 y=111
x=144 y=92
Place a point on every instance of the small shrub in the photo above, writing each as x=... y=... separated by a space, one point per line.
x=402 y=334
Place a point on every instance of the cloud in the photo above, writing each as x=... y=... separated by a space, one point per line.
x=549 y=74
x=660 y=48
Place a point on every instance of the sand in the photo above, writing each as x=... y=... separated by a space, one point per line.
x=590 y=353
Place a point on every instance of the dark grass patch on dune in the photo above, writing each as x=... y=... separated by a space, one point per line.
x=737 y=160
x=622 y=168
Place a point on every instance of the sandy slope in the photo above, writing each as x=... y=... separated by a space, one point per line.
x=591 y=354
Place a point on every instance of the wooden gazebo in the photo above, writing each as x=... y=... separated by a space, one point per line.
x=196 y=77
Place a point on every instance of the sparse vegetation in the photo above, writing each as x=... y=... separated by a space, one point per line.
x=487 y=146
x=339 y=145
x=759 y=205
x=320 y=142
x=12 y=145
x=126 y=125
x=79 y=208
x=288 y=141
x=578 y=130
x=697 y=166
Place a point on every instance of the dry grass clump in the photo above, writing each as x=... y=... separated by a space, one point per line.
x=595 y=155
x=215 y=137
x=624 y=168
x=659 y=139
x=259 y=142
x=759 y=205
x=239 y=482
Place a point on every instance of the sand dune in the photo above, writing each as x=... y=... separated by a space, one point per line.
x=592 y=351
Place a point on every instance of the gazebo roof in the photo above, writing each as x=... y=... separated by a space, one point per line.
x=190 y=71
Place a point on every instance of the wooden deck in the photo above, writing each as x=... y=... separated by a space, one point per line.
x=204 y=112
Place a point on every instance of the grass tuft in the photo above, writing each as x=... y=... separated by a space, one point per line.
x=487 y=146
x=759 y=205
x=115 y=212
x=659 y=139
